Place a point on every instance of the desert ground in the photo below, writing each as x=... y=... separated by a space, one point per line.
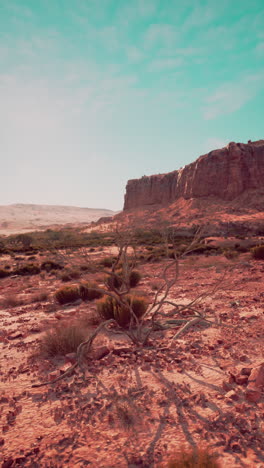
x=128 y=404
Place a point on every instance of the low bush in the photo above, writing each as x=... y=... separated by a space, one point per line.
x=108 y=307
x=11 y=301
x=107 y=262
x=67 y=294
x=62 y=339
x=4 y=273
x=88 y=292
x=200 y=458
x=69 y=275
x=49 y=265
x=134 y=278
x=114 y=281
x=27 y=270
x=258 y=252
x=39 y=297
x=231 y=254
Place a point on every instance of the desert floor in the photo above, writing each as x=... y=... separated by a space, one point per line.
x=132 y=405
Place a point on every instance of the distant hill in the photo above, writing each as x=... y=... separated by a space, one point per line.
x=24 y=217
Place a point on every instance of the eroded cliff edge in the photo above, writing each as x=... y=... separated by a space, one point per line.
x=223 y=173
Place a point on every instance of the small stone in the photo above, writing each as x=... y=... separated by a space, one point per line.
x=8 y=463
x=242 y=379
x=243 y=358
x=58 y=315
x=64 y=367
x=71 y=357
x=253 y=395
x=54 y=375
x=101 y=352
x=257 y=377
x=226 y=386
x=246 y=371
x=2 y=441
x=15 y=335
x=146 y=367
x=232 y=395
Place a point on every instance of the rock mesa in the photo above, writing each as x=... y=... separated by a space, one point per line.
x=224 y=173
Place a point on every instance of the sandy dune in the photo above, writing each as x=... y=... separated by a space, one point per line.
x=23 y=217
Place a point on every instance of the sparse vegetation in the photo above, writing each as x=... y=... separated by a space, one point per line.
x=11 y=301
x=27 y=270
x=67 y=294
x=69 y=275
x=200 y=458
x=89 y=292
x=134 y=278
x=231 y=254
x=39 y=297
x=108 y=262
x=109 y=307
x=62 y=339
x=4 y=273
x=258 y=252
x=49 y=265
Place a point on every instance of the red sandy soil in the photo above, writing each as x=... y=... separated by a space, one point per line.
x=185 y=213
x=183 y=392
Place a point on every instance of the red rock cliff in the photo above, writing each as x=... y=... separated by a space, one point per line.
x=224 y=173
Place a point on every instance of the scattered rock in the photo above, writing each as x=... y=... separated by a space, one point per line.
x=71 y=357
x=253 y=395
x=246 y=371
x=100 y=353
x=232 y=395
x=15 y=335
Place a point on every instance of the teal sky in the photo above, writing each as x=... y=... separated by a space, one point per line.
x=96 y=92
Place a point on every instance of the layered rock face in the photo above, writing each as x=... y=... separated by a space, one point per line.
x=224 y=173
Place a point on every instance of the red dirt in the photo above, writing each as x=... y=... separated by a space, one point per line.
x=136 y=406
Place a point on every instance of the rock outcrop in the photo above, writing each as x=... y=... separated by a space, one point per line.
x=224 y=173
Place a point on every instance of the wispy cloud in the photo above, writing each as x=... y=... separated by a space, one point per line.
x=165 y=64
x=231 y=97
x=160 y=35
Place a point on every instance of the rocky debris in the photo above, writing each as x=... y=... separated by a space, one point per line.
x=99 y=353
x=255 y=388
x=14 y=335
x=224 y=173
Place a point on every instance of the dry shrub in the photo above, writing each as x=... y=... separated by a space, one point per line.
x=107 y=262
x=258 y=252
x=69 y=275
x=27 y=270
x=64 y=338
x=88 y=292
x=108 y=307
x=197 y=458
x=114 y=281
x=49 y=265
x=4 y=273
x=134 y=278
x=125 y=415
x=11 y=301
x=67 y=294
x=231 y=254
x=40 y=297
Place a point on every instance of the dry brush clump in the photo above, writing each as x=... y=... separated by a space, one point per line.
x=123 y=311
x=258 y=252
x=196 y=458
x=67 y=294
x=89 y=291
x=62 y=339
